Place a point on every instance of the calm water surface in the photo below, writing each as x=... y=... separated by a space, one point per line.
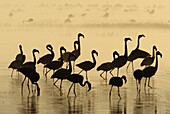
x=105 y=41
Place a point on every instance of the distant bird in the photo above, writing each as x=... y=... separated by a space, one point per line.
x=48 y=57
x=149 y=60
x=122 y=60
x=29 y=20
x=107 y=66
x=137 y=53
x=106 y=15
x=62 y=73
x=138 y=75
x=20 y=57
x=18 y=62
x=77 y=78
x=76 y=51
x=88 y=65
x=32 y=75
x=151 y=70
x=54 y=65
x=31 y=64
x=117 y=81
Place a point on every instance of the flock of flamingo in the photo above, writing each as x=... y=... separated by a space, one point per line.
x=28 y=69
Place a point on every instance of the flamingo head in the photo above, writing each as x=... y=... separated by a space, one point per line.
x=155 y=48
x=49 y=47
x=94 y=51
x=141 y=35
x=128 y=39
x=159 y=53
x=62 y=48
x=115 y=53
x=35 y=50
x=80 y=34
x=124 y=77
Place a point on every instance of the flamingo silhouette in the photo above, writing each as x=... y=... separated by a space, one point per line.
x=18 y=62
x=88 y=65
x=32 y=75
x=137 y=53
x=122 y=60
x=138 y=75
x=20 y=57
x=77 y=78
x=31 y=63
x=48 y=57
x=63 y=73
x=107 y=66
x=54 y=65
x=151 y=70
x=149 y=60
x=76 y=51
x=117 y=81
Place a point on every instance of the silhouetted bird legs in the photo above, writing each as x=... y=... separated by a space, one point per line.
x=28 y=86
x=148 y=82
x=75 y=90
x=12 y=72
x=70 y=89
x=22 y=85
x=38 y=88
x=86 y=74
x=56 y=85
x=111 y=72
x=111 y=92
x=128 y=66
x=119 y=93
x=102 y=76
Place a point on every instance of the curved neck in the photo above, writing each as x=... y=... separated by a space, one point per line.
x=126 y=50
x=138 y=43
x=79 y=48
x=153 y=53
x=52 y=52
x=21 y=51
x=94 y=60
x=34 y=57
x=156 y=64
x=61 y=55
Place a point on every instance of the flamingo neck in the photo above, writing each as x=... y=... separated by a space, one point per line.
x=94 y=60
x=61 y=55
x=126 y=50
x=156 y=64
x=34 y=57
x=138 y=43
x=153 y=53
x=79 y=48
x=21 y=51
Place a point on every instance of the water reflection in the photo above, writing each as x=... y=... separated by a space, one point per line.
x=74 y=107
x=29 y=105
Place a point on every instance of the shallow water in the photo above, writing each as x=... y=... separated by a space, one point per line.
x=105 y=40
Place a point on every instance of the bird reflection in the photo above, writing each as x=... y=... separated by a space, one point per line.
x=29 y=105
x=115 y=109
x=74 y=107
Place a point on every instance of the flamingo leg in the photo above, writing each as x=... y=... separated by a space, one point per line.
x=22 y=85
x=111 y=72
x=80 y=71
x=56 y=85
x=61 y=84
x=106 y=76
x=86 y=76
x=119 y=93
x=47 y=72
x=69 y=89
x=149 y=83
x=74 y=90
x=128 y=66
x=28 y=86
x=73 y=66
x=110 y=91
x=132 y=66
x=101 y=75
x=137 y=85
x=145 y=82
x=12 y=73
x=117 y=72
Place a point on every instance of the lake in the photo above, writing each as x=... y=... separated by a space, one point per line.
x=105 y=40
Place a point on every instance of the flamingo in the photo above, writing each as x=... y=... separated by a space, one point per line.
x=149 y=60
x=88 y=65
x=54 y=65
x=137 y=53
x=77 y=78
x=18 y=62
x=31 y=63
x=122 y=60
x=63 y=73
x=117 y=81
x=107 y=66
x=138 y=75
x=20 y=57
x=151 y=70
x=32 y=75
x=48 y=57
x=76 y=51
